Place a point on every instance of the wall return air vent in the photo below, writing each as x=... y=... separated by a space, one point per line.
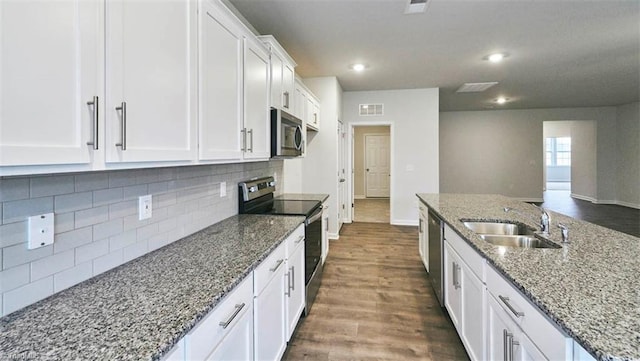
x=371 y=109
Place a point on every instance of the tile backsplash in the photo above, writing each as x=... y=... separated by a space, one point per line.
x=96 y=221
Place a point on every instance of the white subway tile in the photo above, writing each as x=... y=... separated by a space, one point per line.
x=64 y=222
x=19 y=254
x=16 y=211
x=123 y=209
x=107 y=229
x=23 y=296
x=14 y=277
x=92 y=181
x=49 y=265
x=107 y=262
x=91 y=251
x=147 y=231
x=133 y=192
x=13 y=233
x=72 y=276
x=72 y=239
x=51 y=185
x=89 y=217
x=122 y=240
x=73 y=202
x=107 y=196
x=12 y=189
x=135 y=250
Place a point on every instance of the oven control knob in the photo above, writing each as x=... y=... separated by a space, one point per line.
x=272 y=184
x=253 y=189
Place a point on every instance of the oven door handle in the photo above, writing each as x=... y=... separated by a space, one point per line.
x=314 y=217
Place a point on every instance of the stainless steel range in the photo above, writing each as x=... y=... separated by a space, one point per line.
x=256 y=197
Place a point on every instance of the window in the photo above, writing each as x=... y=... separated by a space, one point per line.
x=558 y=151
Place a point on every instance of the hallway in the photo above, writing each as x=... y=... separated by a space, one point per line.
x=372 y=210
x=375 y=302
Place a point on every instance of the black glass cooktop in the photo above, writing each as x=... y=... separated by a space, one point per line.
x=293 y=207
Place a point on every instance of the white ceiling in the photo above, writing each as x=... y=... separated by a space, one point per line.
x=562 y=53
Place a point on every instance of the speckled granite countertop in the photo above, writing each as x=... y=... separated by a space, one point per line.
x=304 y=196
x=590 y=287
x=139 y=310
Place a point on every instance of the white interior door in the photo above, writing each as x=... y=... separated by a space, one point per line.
x=377 y=165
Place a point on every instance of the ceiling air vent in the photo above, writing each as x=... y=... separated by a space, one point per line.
x=475 y=87
x=371 y=109
x=416 y=6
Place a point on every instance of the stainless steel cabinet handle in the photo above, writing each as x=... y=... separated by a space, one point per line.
x=238 y=308
x=505 y=350
x=288 y=291
x=244 y=139
x=458 y=284
x=250 y=132
x=94 y=141
x=286 y=100
x=293 y=279
x=453 y=274
x=123 y=142
x=505 y=300
x=299 y=239
x=419 y=225
x=276 y=266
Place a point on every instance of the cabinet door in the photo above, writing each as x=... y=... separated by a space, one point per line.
x=299 y=103
x=269 y=319
x=221 y=98
x=256 y=98
x=423 y=242
x=288 y=78
x=151 y=75
x=276 y=80
x=296 y=292
x=473 y=295
x=500 y=328
x=50 y=67
x=452 y=286
x=238 y=344
x=316 y=115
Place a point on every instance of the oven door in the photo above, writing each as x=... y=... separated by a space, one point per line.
x=313 y=243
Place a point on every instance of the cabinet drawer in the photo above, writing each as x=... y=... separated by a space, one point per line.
x=295 y=240
x=468 y=254
x=546 y=336
x=268 y=268
x=208 y=333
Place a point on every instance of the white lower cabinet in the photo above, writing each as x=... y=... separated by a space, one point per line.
x=269 y=305
x=423 y=236
x=227 y=330
x=464 y=299
x=295 y=299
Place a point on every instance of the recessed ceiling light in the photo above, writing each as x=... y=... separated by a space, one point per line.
x=501 y=100
x=496 y=57
x=358 y=67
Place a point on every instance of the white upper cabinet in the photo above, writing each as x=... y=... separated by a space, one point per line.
x=282 y=86
x=151 y=80
x=50 y=67
x=221 y=91
x=256 y=101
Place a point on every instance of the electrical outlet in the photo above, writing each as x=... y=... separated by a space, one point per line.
x=145 y=207
x=223 y=189
x=40 y=231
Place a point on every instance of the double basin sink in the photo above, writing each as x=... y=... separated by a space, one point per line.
x=508 y=234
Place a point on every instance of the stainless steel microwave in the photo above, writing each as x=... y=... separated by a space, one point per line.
x=286 y=135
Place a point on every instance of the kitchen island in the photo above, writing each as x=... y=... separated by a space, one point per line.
x=590 y=288
x=140 y=310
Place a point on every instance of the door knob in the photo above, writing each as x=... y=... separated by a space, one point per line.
x=367 y=169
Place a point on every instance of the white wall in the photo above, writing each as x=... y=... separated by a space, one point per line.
x=628 y=161
x=413 y=115
x=319 y=167
x=471 y=142
x=584 y=164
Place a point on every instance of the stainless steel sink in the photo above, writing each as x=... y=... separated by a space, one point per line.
x=498 y=228
x=517 y=241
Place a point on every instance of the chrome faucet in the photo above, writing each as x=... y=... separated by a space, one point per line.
x=565 y=232
x=545 y=219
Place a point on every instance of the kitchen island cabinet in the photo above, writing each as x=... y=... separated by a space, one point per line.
x=551 y=301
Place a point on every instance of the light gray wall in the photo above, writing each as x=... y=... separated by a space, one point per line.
x=500 y=151
x=96 y=221
x=628 y=162
x=584 y=163
x=359 y=156
x=413 y=114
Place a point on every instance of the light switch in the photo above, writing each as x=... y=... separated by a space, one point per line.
x=223 y=189
x=145 y=207
x=40 y=230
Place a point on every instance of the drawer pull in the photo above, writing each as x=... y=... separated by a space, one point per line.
x=293 y=279
x=288 y=291
x=226 y=323
x=277 y=265
x=299 y=239
x=505 y=300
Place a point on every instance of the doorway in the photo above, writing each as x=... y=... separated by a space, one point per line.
x=371 y=149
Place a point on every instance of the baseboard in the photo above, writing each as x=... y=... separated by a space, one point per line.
x=584 y=198
x=359 y=197
x=628 y=204
x=404 y=222
x=603 y=201
x=531 y=200
x=333 y=236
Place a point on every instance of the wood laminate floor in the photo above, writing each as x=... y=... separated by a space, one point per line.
x=373 y=210
x=619 y=218
x=375 y=303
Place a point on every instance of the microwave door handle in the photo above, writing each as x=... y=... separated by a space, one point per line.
x=298 y=132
